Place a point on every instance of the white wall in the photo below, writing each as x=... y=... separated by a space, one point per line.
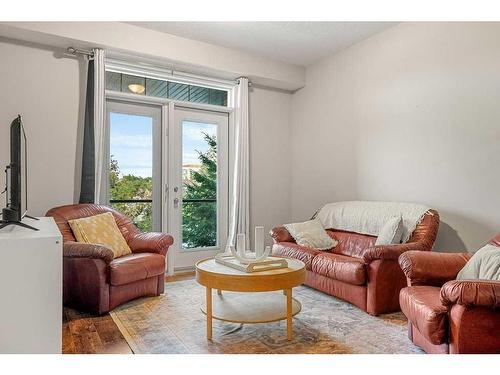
x=45 y=90
x=165 y=49
x=270 y=173
x=411 y=114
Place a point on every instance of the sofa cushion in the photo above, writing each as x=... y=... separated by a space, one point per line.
x=484 y=265
x=100 y=229
x=423 y=308
x=292 y=250
x=134 y=267
x=391 y=233
x=340 y=267
x=311 y=234
x=351 y=244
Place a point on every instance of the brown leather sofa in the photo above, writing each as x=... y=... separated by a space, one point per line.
x=92 y=279
x=356 y=270
x=447 y=315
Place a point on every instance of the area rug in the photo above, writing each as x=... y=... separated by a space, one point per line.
x=173 y=323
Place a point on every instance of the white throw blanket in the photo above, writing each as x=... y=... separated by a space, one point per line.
x=367 y=217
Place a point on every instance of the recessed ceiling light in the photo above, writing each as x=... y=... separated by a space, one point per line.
x=136 y=88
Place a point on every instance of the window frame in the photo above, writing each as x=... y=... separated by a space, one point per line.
x=168 y=75
x=223 y=174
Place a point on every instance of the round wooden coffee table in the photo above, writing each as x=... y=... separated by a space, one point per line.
x=251 y=305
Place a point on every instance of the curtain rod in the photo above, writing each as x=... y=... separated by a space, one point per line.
x=76 y=51
x=249 y=82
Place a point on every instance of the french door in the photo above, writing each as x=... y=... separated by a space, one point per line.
x=168 y=171
x=198 y=179
x=134 y=170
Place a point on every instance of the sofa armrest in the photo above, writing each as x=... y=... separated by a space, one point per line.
x=280 y=234
x=152 y=242
x=85 y=250
x=429 y=268
x=388 y=252
x=469 y=293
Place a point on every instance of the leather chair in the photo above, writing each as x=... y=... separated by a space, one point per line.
x=94 y=281
x=356 y=270
x=447 y=315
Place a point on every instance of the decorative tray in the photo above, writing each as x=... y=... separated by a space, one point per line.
x=270 y=263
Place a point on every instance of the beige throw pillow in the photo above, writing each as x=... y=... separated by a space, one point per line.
x=100 y=229
x=311 y=234
x=391 y=233
x=484 y=265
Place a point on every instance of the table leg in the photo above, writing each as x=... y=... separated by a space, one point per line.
x=289 y=331
x=209 y=313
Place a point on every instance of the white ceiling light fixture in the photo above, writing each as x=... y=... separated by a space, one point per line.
x=136 y=88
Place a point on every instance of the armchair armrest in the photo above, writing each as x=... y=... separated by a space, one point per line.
x=85 y=250
x=388 y=252
x=280 y=234
x=429 y=268
x=482 y=293
x=153 y=242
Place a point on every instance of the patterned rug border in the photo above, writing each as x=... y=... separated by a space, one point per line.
x=159 y=325
x=126 y=334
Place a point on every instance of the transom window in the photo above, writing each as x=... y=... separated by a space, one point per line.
x=164 y=89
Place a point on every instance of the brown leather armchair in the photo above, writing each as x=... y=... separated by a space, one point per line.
x=92 y=279
x=447 y=315
x=356 y=270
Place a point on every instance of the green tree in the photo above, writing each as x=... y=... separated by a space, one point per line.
x=132 y=187
x=199 y=226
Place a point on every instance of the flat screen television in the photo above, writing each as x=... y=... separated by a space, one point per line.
x=16 y=175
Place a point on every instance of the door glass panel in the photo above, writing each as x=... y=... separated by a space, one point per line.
x=131 y=167
x=199 y=185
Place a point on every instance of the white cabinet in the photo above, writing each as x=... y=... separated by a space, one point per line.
x=31 y=288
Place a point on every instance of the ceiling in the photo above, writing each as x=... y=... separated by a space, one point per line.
x=300 y=43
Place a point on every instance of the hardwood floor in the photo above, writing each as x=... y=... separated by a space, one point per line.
x=85 y=333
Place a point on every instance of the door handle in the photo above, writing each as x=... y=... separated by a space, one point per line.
x=176 y=202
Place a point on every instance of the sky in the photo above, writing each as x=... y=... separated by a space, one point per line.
x=131 y=140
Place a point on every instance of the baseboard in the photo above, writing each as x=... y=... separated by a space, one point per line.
x=178 y=270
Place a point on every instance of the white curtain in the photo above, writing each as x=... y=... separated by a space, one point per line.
x=100 y=127
x=239 y=215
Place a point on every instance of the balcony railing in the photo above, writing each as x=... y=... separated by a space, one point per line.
x=199 y=200
x=130 y=201
x=150 y=200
